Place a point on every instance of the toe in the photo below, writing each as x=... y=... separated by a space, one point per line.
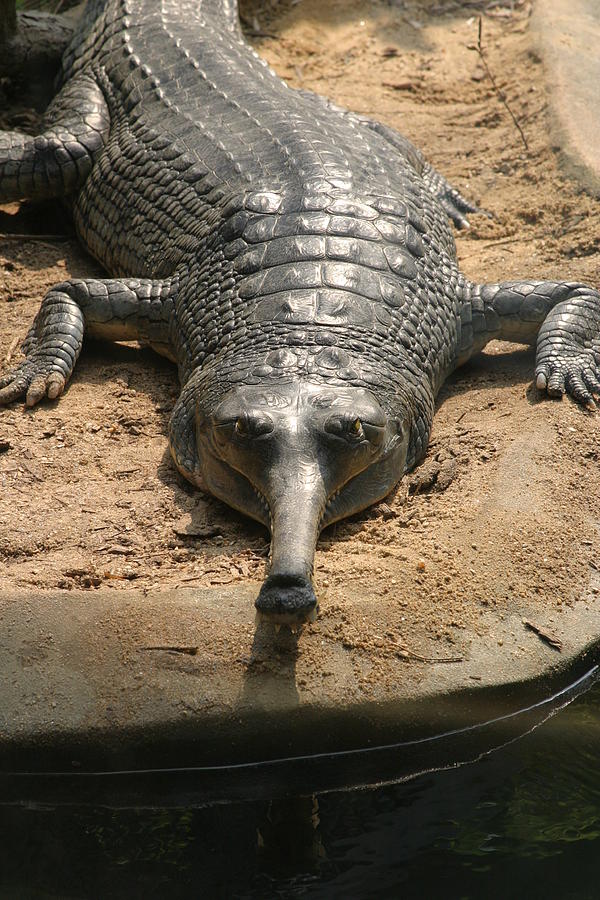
x=591 y=380
x=578 y=390
x=13 y=390
x=556 y=384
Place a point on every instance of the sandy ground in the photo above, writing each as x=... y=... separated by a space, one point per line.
x=502 y=509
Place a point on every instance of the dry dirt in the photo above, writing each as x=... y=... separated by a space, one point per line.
x=505 y=506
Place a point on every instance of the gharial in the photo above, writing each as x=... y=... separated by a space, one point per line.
x=295 y=260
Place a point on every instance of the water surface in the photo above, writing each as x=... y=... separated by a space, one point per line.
x=521 y=822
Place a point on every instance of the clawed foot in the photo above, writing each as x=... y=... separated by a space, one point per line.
x=576 y=374
x=456 y=207
x=51 y=347
x=35 y=379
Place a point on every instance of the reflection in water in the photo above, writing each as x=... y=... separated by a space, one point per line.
x=289 y=838
x=523 y=822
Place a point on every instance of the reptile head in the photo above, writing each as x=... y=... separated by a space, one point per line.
x=297 y=456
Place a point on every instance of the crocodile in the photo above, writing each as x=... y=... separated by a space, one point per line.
x=295 y=260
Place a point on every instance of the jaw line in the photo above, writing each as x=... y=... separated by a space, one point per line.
x=284 y=619
x=261 y=511
x=366 y=476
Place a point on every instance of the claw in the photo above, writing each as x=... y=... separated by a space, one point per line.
x=37 y=390
x=56 y=385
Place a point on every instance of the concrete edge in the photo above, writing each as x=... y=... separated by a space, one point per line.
x=117 y=712
x=280 y=778
x=566 y=34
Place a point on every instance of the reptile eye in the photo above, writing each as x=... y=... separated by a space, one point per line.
x=347 y=427
x=253 y=426
x=354 y=429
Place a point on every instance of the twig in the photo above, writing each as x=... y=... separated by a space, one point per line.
x=400 y=85
x=45 y=238
x=480 y=5
x=33 y=474
x=405 y=653
x=502 y=241
x=13 y=346
x=545 y=636
x=190 y=651
x=500 y=94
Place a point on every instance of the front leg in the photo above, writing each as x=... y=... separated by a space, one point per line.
x=568 y=348
x=564 y=318
x=118 y=309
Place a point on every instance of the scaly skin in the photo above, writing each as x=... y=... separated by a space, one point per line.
x=296 y=260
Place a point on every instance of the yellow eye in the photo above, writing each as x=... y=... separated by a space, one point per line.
x=355 y=427
x=241 y=426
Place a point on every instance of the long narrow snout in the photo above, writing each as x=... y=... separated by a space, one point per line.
x=297 y=501
x=294 y=453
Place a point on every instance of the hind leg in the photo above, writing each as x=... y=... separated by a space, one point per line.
x=58 y=161
x=455 y=205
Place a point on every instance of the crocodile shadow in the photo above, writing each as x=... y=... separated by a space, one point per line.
x=270 y=677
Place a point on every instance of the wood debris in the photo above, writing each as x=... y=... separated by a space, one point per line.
x=189 y=651
x=545 y=636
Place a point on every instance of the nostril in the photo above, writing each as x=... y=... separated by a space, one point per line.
x=282 y=580
x=287 y=596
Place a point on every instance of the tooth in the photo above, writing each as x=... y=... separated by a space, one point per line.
x=277 y=629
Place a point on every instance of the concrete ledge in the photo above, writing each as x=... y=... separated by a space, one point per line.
x=283 y=778
x=567 y=34
x=80 y=693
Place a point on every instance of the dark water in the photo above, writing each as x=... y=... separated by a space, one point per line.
x=521 y=822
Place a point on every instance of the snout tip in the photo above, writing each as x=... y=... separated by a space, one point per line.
x=287 y=600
